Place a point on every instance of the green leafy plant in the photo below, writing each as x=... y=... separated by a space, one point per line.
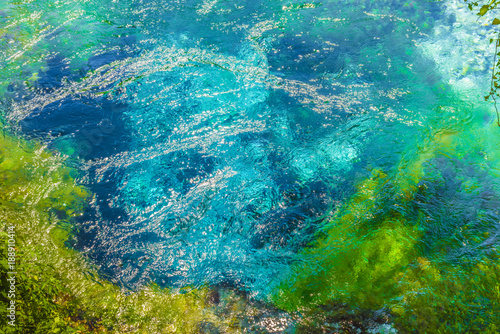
x=484 y=8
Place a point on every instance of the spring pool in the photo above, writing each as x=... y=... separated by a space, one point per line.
x=299 y=152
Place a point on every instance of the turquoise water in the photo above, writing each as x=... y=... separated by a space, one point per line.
x=219 y=138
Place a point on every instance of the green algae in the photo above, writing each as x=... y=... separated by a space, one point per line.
x=382 y=251
x=351 y=262
x=57 y=291
x=450 y=299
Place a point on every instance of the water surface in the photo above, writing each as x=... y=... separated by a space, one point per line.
x=219 y=137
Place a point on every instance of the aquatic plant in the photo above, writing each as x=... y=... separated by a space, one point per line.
x=381 y=257
x=56 y=289
x=377 y=252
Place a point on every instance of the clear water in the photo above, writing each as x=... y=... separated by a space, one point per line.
x=219 y=136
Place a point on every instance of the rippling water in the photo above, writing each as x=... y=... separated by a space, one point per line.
x=218 y=137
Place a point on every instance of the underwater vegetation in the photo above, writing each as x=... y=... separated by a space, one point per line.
x=57 y=291
x=379 y=250
x=303 y=169
x=368 y=256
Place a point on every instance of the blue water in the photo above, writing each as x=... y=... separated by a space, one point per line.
x=218 y=137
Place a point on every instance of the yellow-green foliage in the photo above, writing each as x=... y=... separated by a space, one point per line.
x=31 y=177
x=57 y=291
x=369 y=254
x=451 y=299
x=353 y=263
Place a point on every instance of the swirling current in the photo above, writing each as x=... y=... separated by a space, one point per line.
x=219 y=138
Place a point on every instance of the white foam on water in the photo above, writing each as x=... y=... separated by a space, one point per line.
x=462 y=51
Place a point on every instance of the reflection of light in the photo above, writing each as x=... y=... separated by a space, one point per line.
x=275 y=325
